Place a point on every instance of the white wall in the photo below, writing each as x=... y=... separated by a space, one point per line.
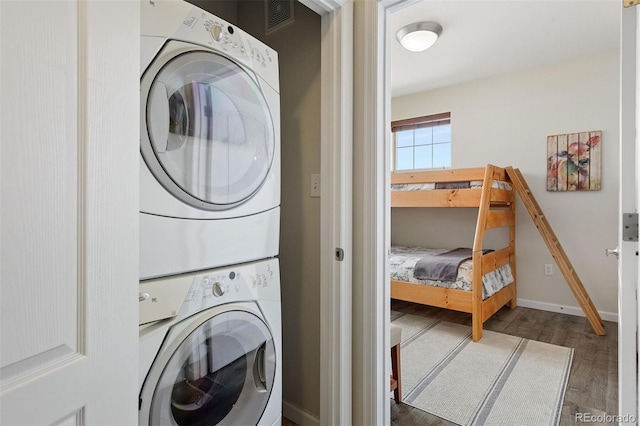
x=505 y=120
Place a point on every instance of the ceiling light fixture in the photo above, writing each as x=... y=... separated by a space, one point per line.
x=419 y=36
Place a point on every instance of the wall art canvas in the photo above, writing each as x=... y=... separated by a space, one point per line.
x=573 y=161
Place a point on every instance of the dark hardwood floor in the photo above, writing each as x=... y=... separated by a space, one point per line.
x=593 y=381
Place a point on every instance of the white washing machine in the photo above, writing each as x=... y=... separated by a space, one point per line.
x=209 y=142
x=210 y=347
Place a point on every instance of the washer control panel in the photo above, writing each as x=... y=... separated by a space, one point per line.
x=218 y=285
x=184 y=295
x=253 y=281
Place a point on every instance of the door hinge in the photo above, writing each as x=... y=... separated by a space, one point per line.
x=630 y=227
x=339 y=254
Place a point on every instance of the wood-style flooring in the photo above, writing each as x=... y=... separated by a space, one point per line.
x=593 y=381
x=287 y=422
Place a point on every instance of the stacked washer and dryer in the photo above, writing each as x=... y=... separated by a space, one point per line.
x=210 y=313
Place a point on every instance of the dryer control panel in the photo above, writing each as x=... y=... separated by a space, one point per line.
x=180 y=20
x=214 y=32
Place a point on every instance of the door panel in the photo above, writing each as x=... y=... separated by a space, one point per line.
x=33 y=251
x=628 y=259
x=69 y=212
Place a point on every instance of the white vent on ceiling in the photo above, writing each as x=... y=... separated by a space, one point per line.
x=278 y=13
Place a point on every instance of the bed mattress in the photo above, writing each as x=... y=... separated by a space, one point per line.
x=474 y=184
x=403 y=261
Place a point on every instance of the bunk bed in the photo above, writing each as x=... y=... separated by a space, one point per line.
x=490 y=190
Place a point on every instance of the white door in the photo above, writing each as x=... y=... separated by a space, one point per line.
x=69 y=96
x=628 y=259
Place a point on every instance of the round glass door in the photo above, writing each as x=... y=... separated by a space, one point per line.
x=210 y=138
x=222 y=373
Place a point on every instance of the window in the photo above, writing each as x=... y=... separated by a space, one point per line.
x=422 y=142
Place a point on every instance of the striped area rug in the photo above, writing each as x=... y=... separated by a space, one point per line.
x=500 y=380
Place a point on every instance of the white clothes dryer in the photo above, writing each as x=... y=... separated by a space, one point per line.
x=209 y=142
x=210 y=347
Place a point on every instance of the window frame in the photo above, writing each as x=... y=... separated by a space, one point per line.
x=416 y=123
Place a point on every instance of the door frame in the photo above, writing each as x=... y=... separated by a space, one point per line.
x=370 y=278
x=371 y=201
x=335 y=208
x=354 y=311
x=628 y=266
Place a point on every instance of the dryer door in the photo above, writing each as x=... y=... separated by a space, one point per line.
x=221 y=372
x=207 y=133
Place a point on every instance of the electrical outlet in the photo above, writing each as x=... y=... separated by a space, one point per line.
x=315 y=185
x=548 y=269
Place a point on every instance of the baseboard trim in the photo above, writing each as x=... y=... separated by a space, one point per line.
x=298 y=415
x=570 y=310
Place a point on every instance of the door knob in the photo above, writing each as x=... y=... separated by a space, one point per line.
x=613 y=251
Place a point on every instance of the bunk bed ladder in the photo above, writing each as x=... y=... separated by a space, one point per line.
x=556 y=250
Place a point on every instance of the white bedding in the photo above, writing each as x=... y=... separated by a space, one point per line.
x=403 y=259
x=474 y=184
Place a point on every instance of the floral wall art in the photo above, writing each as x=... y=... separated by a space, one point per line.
x=573 y=161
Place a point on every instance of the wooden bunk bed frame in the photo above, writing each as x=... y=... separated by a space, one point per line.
x=496 y=209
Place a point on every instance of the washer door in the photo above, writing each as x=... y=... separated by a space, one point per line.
x=207 y=132
x=221 y=373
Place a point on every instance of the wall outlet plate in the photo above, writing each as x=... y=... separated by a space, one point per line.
x=315 y=185
x=548 y=269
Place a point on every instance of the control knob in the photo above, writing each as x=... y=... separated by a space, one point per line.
x=216 y=31
x=217 y=289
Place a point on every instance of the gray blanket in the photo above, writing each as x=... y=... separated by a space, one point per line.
x=453 y=185
x=442 y=267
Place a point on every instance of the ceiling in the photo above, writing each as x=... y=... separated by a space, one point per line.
x=483 y=38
